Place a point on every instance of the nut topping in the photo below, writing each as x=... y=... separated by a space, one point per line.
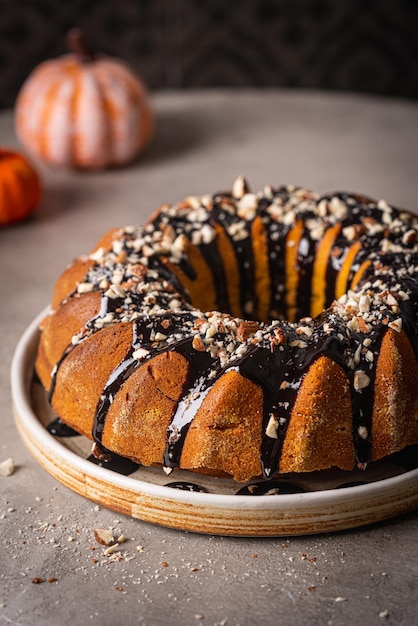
x=361 y=380
x=247 y=329
x=272 y=427
x=198 y=344
x=103 y=536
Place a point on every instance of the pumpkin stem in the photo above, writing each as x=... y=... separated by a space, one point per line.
x=76 y=42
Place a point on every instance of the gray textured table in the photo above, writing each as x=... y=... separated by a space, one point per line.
x=203 y=140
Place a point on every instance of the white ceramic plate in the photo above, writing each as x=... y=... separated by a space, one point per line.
x=389 y=488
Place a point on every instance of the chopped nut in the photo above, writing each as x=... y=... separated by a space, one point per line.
x=111 y=549
x=353 y=324
x=198 y=344
x=364 y=304
x=322 y=208
x=208 y=234
x=391 y=300
x=362 y=324
x=280 y=336
x=160 y=337
x=84 y=287
x=361 y=380
x=211 y=332
x=272 y=427
x=138 y=270
x=247 y=329
x=369 y=356
x=103 y=536
x=240 y=187
x=304 y=330
x=317 y=233
x=363 y=432
x=7 y=467
x=140 y=353
x=349 y=232
x=396 y=325
x=115 y=291
x=409 y=237
x=337 y=207
x=297 y=343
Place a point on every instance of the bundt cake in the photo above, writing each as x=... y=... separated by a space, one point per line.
x=242 y=334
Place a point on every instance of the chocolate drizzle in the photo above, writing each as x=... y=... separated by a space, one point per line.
x=362 y=399
x=116 y=463
x=119 y=375
x=184 y=486
x=276 y=243
x=305 y=261
x=270 y=488
x=194 y=391
x=58 y=428
x=243 y=251
x=107 y=305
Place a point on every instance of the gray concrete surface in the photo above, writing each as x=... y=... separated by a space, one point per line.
x=203 y=140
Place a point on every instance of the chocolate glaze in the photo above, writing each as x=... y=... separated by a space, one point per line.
x=353 y=483
x=59 y=429
x=407 y=458
x=270 y=488
x=116 y=463
x=196 y=383
x=244 y=255
x=305 y=261
x=184 y=486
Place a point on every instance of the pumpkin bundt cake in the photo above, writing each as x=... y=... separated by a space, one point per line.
x=242 y=334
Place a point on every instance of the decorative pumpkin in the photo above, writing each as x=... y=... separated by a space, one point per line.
x=20 y=189
x=84 y=111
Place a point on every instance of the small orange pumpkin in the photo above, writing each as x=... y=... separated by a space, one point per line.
x=20 y=189
x=84 y=111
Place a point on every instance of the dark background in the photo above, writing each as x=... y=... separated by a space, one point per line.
x=366 y=46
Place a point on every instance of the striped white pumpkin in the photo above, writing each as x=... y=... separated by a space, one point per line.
x=92 y=114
